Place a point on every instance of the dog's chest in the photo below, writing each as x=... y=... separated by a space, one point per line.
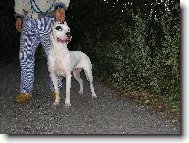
x=59 y=68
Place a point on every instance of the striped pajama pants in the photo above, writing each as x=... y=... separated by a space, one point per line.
x=34 y=32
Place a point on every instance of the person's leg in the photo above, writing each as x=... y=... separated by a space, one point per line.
x=45 y=30
x=28 y=44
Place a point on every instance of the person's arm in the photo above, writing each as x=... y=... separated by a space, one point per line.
x=60 y=7
x=18 y=8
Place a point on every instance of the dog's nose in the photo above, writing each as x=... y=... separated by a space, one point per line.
x=68 y=34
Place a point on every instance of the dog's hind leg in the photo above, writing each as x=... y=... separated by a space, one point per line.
x=76 y=74
x=55 y=82
x=89 y=76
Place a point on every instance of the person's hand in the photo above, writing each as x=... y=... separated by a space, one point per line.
x=19 y=24
x=60 y=14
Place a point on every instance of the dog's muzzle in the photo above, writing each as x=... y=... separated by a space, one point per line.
x=68 y=34
x=67 y=40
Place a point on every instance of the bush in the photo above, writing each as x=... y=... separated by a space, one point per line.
x=136 y=52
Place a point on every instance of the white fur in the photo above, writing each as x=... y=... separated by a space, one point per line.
x=61 y=62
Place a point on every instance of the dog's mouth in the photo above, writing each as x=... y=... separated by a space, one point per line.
x=65 y=41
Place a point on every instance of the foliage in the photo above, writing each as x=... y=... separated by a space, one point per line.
x=132 y=44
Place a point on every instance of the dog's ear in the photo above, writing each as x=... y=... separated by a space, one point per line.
x=55 y=24
x=65 y=23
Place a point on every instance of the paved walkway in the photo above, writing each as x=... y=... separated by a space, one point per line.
x=108 y=114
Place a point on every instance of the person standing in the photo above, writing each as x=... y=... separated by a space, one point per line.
x=34 y=19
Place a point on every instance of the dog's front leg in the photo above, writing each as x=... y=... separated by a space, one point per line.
x=55 y=82
x=68 y=86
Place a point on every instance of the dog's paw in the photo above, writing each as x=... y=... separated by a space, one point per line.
x=56 y=103
x=80 y=92
x=94 y=96
x=67 y=105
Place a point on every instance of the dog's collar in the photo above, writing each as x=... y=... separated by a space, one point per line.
x=59 y=22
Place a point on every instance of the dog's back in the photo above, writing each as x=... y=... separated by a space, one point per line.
x=79 y=60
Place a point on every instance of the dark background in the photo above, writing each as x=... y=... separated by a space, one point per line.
x=82 y=15
x=9 y=41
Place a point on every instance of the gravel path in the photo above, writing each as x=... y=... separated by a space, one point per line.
x=108 y=114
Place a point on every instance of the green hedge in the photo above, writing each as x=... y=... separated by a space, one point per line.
x=133 y=52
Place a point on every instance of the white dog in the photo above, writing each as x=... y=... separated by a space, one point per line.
x=61 y=62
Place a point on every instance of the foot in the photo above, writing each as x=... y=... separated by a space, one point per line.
x=94 y=96
x=80 y=92
x=67 y=105
x=23 y=97
x=53 y=95
x=56 y=103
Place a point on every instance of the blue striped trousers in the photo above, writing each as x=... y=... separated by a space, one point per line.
x=34 y=32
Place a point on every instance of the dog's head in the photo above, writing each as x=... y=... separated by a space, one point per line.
x=61 y=32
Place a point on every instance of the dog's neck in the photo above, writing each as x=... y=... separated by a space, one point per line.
x=58 y=47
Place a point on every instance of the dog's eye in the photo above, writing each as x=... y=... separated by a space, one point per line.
x=59 y=28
